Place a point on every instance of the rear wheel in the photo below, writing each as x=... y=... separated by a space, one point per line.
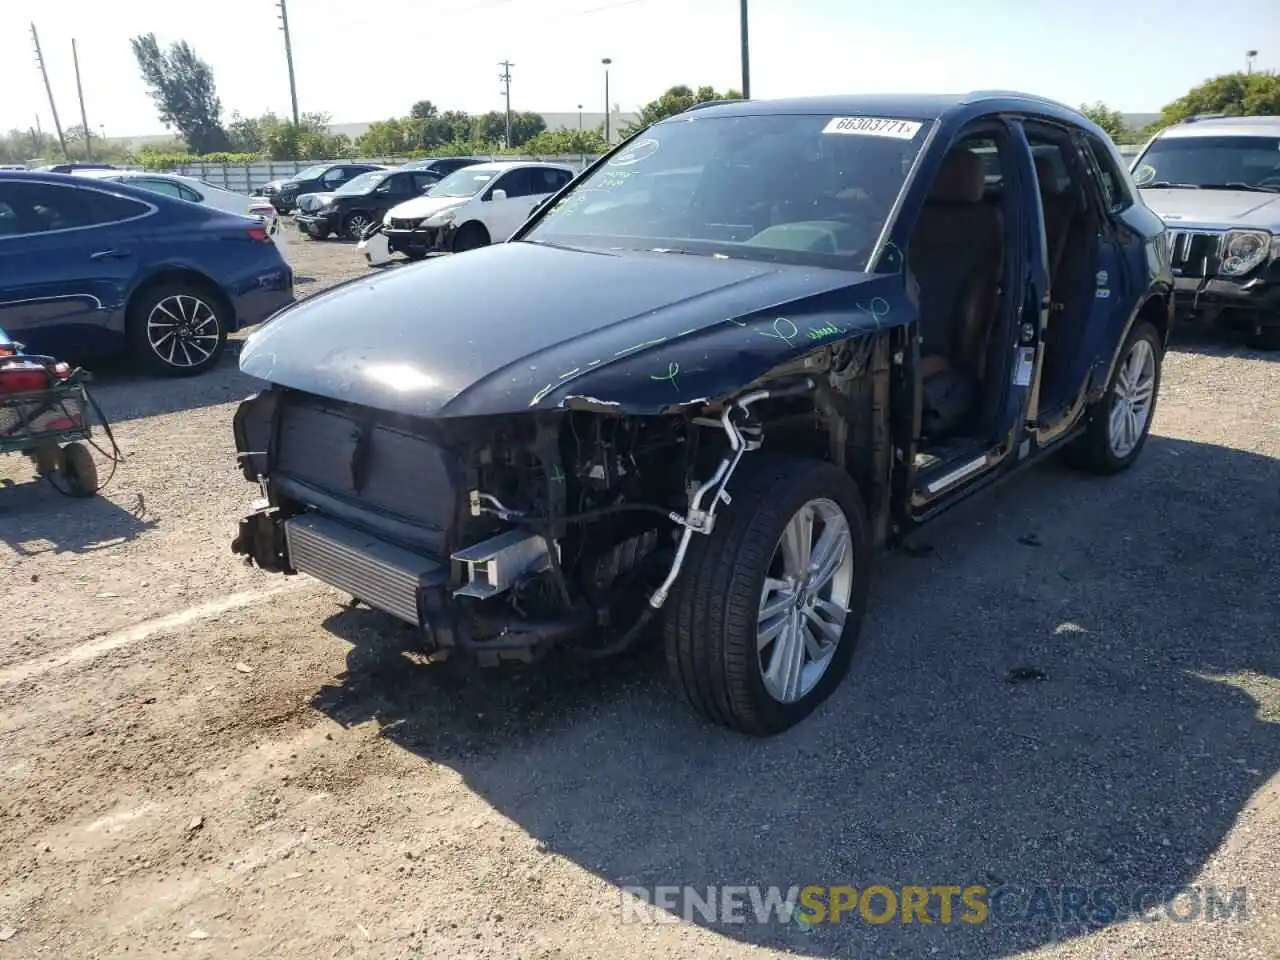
x=416 y=254
x=767 y=610
x=470 y=236
x=1120 y=422
x=178 y=329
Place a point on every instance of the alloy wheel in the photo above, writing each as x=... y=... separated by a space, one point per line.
x=805 y=600
x=356 y=225
x=183 y=330
x=1134 y=393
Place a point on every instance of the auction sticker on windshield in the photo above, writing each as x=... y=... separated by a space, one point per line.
x=640 y=150
x=873 y=127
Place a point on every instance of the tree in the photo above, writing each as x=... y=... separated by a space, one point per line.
x=182 y=87
x=677 y=100
x=491 y=127
x=1111 y=121
x=423 y=110
x=1236 y=94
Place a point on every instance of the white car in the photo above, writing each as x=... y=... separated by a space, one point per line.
x=194 y=190
x=472 y=207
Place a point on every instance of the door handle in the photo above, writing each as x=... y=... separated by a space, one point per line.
x=109 y=255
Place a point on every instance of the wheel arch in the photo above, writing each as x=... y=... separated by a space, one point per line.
x=187 y=275
x=1156 y=308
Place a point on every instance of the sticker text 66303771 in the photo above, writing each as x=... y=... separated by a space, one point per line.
x=873 y=127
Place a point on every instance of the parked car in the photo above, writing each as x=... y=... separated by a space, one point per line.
x=191 y=189
x=360 y=203
x=1216 y=182
x=711 y=406
x=320 y=178
x=472 y=207
x=90 y=267
x=73 y=167
x=441 y=167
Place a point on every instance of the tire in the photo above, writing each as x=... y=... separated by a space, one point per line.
x=712 y=624
x=416 y=254
x=1268 y=338
x=354 y=224
x=470 y=236
x=208 y=321
x=1095 y=452
x=79 y=471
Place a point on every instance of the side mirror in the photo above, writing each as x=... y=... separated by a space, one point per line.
x=498 y=195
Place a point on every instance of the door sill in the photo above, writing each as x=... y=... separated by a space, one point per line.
x=949 y=465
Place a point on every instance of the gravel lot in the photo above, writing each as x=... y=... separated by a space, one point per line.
x=204 y=760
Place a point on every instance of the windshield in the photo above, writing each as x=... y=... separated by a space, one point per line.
x=1208 y=161
x=361 y=184
x=311 y=173
x=798 y=189
x=466 y=182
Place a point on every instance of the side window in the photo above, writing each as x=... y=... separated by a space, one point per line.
x=514 y=182
x=397 y=185
x=989 y=153
x=1115 y=191
x=188 y=194
x=43 y=207
x=547 y=180
x=158 y=186
x=335 y=177
x=8 y=220
x=424 y=180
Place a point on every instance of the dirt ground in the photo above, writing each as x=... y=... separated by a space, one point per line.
x=202 y=760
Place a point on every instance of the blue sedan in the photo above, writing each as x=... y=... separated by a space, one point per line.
x=89 y=268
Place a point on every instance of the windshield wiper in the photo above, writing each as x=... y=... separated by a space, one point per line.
x=1169 y=185
x=1238 y=185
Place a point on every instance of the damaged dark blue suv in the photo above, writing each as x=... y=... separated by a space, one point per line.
x=705 y=381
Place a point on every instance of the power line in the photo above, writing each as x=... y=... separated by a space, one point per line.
x=288 y=55
x=35 y=38
x=505 y=77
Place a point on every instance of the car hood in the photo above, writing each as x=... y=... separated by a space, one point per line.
x=518 y=326
x=420 y=207
x=1216 y=209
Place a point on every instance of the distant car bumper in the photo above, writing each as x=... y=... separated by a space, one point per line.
x=1248 y=305
x=317 y=225
x=420 y=240
x=284 y=202
x=272 y=291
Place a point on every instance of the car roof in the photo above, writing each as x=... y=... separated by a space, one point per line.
x=1224 y=127
x=909 y=106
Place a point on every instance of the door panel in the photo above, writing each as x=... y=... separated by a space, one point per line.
x=503 y=216
x=66 y=270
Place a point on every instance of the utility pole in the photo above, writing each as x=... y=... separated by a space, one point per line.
x=606 y=61
x=35 y=38
x=288 y=56
x=84 y=120
x=505 y=77
x=746 y=53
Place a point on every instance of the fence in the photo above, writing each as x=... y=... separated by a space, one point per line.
x=246 y=178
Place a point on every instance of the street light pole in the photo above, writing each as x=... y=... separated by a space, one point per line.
x=746 y=52
x=1248 y=61
x=579 y=118
x=607 y=139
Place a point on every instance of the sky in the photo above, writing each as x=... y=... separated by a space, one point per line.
x=361 y=61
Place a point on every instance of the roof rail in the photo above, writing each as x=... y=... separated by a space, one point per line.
x=1204 y=116
x=712 y=103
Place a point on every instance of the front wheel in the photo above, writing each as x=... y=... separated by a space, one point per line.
x=416 y=254
x=355 y=224
x=769 y=607
x=1120 y=421
x=177 y=330
x=470 y=236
